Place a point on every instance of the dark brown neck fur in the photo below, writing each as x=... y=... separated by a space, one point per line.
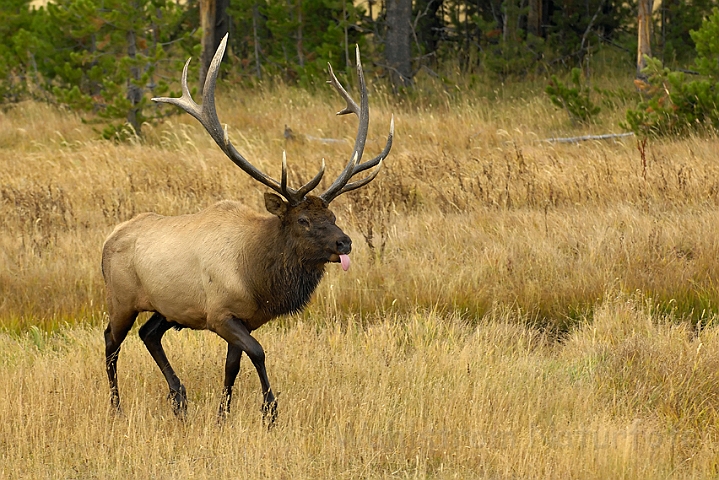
x=286 y=282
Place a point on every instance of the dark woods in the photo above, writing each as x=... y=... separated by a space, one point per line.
x=109 y=57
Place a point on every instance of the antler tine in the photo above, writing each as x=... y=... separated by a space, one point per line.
x=383 y=154
x=375 y=162
x=306 y=188
x=206 y=114
x=351 y=104
x=283 y=182
x=362 y=112
x=364 y=181
x=312 y=184
x=185 y=102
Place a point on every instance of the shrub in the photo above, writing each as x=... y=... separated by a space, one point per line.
x=574 y=100
x=671 y=103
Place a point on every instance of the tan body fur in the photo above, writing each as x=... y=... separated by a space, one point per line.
x=192 y=269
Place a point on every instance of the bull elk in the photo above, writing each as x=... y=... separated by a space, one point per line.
x=227 y=268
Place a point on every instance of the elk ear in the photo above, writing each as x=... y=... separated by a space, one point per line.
x=275 y=205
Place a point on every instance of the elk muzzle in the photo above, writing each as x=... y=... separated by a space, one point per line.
x=343 y=248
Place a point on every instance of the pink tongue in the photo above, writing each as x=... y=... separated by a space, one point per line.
x=345 y=261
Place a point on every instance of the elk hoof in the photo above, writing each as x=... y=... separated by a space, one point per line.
x=224 y=409
x=178 y=399
x=115 y=402
x=269 y=413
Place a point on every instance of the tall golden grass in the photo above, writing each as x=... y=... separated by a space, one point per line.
x=515 y=308
x=418 y=395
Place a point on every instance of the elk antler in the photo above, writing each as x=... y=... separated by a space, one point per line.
x=206 y=114
x=340 y=185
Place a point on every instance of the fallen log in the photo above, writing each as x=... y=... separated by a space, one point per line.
x=584 y=138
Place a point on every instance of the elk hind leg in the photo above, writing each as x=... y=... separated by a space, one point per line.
x=232 y=369
x=115 y=334
x=151 y=334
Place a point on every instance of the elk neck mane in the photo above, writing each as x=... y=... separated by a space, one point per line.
x=287 y=280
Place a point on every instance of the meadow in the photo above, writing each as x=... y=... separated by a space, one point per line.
x=516 y=308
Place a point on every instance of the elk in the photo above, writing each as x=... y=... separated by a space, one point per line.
x=227 y=268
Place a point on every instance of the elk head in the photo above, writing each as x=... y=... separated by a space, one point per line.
x=304 y=216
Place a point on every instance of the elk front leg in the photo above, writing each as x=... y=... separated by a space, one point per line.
x=236 y=333
x=151 y=333
x=232 y=368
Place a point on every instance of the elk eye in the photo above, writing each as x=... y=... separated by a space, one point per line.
x=303 y=221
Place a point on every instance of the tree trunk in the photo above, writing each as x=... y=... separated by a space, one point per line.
x=215 y=24
x=222 y=21
x=256 y=40
x=397 y=49
x=644 y=46
x=534 y=18
x=428 y=24
x=510 y=27
x=346 y=33
x=134 y=94
x=300 y=36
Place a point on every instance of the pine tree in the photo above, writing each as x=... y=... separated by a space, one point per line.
x=672 y=104
x=17 y=64
x=295 y=39
x=106 y=57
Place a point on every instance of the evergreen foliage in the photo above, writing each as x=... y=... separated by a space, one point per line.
x=294 y=41
x=706 y=39
x=509 y=55
x=671 y=103
x=97 y=56
x=109 y=57
x=588 y=21
x=573 y=99
x=17 y=63
x=678 y=20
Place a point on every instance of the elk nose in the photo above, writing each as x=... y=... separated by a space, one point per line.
x=344 y=245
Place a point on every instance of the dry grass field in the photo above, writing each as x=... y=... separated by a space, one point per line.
x=515 y=308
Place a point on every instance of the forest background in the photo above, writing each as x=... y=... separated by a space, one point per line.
x=108 y=57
